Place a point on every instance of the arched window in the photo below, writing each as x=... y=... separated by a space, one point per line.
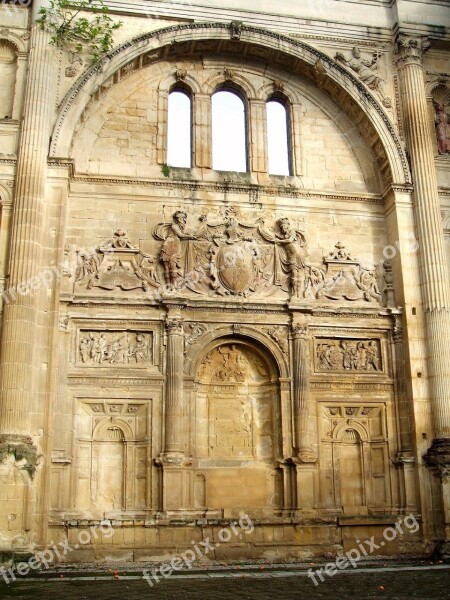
x=179 y=129
x=8 y=67
x=229 y=135
x=278 y=146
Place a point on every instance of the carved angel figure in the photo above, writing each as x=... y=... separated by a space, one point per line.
x=367 y=71
x=292 y=257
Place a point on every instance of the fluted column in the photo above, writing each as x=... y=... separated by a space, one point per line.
x=434 y=272
x=19 y=332
x=302 y=401
x=174 y=386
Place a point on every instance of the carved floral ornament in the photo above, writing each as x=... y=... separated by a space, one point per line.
x=233 y=255
x=410 y=49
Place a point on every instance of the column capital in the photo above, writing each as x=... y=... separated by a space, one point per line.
x=410 y=49
x=397 y=335
x=299 y=331
x=174 y=326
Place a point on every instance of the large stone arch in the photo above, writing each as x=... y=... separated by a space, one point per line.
x=256 y=44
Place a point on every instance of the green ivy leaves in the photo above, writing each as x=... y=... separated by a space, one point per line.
x=76 y=33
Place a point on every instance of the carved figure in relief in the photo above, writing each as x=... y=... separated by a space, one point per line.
x=279 y=334
x=367 y=71
x=140 y=350
x=349 y=355
x=103 y=349
x=372 y=356
x=442 y=120
x=172 y=251
x=87 y=266
x=292 y=257
x=85 y=350
x=193 y=331
x=369 y=284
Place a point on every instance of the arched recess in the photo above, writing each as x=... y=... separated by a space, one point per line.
x=438 y=94
x=8 y=74
x=236 y=425
x=254 y=43
x=109 y=470
x=360 y=465
x=13 y=57
x=211 y=339
x=5 y=220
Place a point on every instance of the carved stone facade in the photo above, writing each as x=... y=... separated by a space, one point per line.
x=183 y=345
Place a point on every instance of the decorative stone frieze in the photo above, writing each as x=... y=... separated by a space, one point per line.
x=348 y=355
x=106 y=348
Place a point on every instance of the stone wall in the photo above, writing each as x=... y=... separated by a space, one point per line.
x=204 y=344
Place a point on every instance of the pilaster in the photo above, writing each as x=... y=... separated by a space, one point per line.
x=302 y=399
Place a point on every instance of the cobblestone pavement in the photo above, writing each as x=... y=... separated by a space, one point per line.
x=400 y=583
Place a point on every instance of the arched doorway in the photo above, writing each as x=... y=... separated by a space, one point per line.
x=237 y=428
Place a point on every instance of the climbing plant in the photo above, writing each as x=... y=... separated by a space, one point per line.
x=79 y=26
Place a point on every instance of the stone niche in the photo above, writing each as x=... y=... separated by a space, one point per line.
x=354 y=457
x=237 y=431
x=112 y=462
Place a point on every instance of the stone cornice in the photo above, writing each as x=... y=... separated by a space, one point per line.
x=253 y=190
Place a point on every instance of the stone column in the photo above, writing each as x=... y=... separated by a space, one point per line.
x=434 y=270
x=18 y=372
x=174 y=418
x=175 y=477
x=258 y=136
x=435 y=278
x=202 y=131
x=302 y=412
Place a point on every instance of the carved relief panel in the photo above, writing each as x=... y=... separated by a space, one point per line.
x=117 y=348
x=348 y=355
x=118 y=344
